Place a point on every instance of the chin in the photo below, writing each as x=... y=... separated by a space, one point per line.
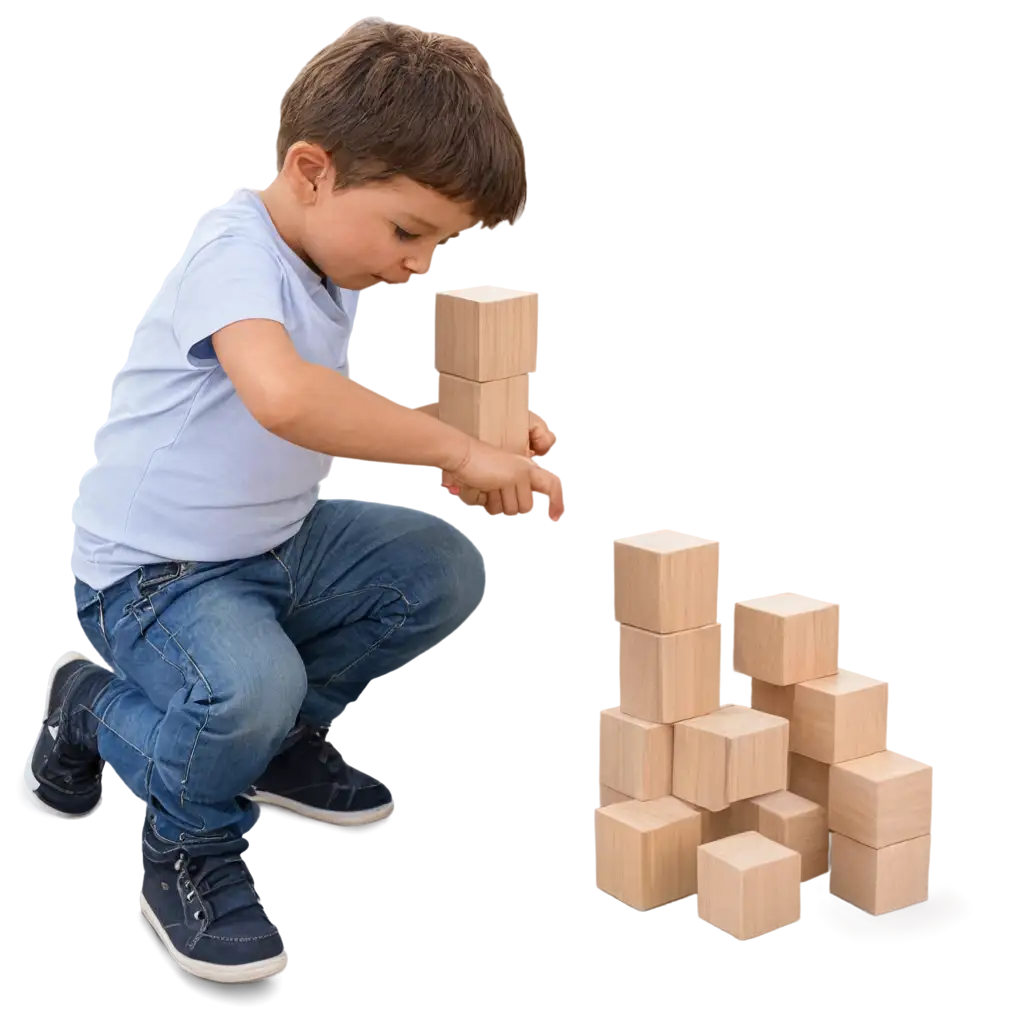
x=373 y=283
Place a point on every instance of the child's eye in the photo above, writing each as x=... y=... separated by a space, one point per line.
x=403 y=236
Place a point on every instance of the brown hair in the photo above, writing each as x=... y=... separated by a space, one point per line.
x=386 y=99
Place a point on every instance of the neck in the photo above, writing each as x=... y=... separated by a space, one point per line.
x=287 y=219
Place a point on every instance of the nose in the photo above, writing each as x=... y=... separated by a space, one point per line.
x=418 y=264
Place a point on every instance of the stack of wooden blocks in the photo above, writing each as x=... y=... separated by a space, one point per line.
x=697 y=797
x=485 y=347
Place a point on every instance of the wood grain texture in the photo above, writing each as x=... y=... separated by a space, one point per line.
x=808 y=778
x=635 y=756
x=838 y=718
x=786 y=639
x=880 y=880
x=497 y=412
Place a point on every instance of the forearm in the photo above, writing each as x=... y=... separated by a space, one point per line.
x=330 y=413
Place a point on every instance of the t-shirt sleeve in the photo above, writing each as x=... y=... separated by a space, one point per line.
x=227 y=280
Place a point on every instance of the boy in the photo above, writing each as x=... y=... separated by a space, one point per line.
x=239 y=613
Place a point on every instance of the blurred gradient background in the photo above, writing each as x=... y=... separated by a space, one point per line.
x=801 y=229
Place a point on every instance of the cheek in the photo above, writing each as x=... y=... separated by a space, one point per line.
x=362 y=248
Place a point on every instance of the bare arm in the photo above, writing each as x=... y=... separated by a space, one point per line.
x=318 y=408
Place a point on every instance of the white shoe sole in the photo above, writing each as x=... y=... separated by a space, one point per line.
x=224 y=973
x=26 y=783
x=331 y=817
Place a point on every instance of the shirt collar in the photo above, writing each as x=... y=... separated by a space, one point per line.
x=309 y=277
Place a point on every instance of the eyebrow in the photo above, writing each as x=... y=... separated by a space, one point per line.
x=419 y=220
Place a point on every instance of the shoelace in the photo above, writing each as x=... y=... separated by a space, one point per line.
x=77 y=764
x=331 y=754
x=222 y=876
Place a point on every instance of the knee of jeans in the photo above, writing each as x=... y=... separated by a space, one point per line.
x=460 y=577
x=261 y=705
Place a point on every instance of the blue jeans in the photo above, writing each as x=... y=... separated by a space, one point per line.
x=215 y=662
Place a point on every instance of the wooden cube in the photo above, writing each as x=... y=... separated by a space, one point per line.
x=647 y=852
x=666 y=581
x=596 y=785
x=880 y=880
x=485 y=333
x=808 y=778
x=786 y=639
x=793 y=821
x=714 y=824
x=880 y=799
x=747 y=884
x=606 y=797
x=728 y=755
x=772 y=700
x=838 y=718
x=497 y=412
x=636 y=755
x=666 y=677
x=603 y=796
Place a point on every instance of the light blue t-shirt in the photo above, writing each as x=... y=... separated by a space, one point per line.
x=183 y=471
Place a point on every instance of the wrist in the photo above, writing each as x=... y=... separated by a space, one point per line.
x=456 y=454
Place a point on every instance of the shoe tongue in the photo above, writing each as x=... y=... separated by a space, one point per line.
x=225 y=888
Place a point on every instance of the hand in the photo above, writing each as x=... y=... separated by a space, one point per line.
x=541 y=438
x=507 y=479
x=541 y=441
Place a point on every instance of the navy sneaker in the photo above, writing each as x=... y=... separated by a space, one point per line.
x=310 y=777
x=204 y=907
x=64 y=769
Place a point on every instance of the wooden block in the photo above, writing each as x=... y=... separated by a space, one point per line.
x=772 y=700
x=606 y=796
x=666 y=677
x=485 y=333
x=666 y=581
x=636 y=756
x=797 y=823
x=748 y=885
x=647 y=852
x=786 y=639
x=716 y=824
x=815 y=863
x=497 y=412
x=880 y=799
x=596 y=785
x=880 y=880
x=728 y=755
x=838 y=718
x=713 y=824
x=808 y=778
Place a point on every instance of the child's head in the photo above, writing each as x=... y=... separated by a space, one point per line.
x=392 y=140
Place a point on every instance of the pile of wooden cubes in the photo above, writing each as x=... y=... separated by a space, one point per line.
x=733 y=803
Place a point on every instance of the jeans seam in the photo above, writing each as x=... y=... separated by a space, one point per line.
x=101 y=622
x=337 y=675
x=209 y=693
x=123 y=739
x=291 y=582
x=349 y=593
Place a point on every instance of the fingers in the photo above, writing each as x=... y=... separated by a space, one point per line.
x=448 y=480
x=516 y=496
x=549 y=484
x=508 y=500
x=524 y=495
x=541 y=440
x=471 y=496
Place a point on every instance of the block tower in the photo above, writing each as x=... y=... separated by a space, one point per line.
x=736 y=804
x=485 y=347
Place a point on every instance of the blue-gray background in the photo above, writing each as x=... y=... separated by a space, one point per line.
x=116 y=126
